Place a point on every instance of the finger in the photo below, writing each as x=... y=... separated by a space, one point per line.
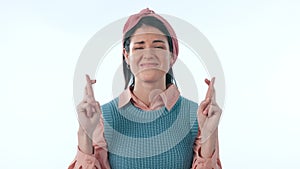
x=88 y=79
x=212 y=82
x=212 y=103
x=89 y=99
x=206 y=110
x=80 y=107
x=89 y=88
x=204 y=107
x=213 y=97
x=91 y=107
x=87 y=108
x=210 y=90
x=207 y=81
x=86 y=92
x=84 y=107
x=97 y=107
x=90 y=110
x=85 y=88
x=214 y=110
x=204 y=104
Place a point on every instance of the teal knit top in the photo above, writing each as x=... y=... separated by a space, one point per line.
x=155 y=139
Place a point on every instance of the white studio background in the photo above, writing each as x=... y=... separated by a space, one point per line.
x=257 y=42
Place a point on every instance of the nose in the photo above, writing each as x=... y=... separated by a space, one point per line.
x=148 y=53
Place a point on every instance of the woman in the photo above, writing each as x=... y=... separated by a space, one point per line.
x=150 y=125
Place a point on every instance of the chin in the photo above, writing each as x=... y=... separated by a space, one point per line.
x=151 y=75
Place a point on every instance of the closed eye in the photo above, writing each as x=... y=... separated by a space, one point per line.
x=138 y=48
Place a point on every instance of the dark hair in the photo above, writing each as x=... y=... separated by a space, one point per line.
x=149 y=21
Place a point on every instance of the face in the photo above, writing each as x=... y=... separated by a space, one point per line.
x=149 y=56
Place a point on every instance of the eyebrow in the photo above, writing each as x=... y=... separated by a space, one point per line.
x=139 y=42
x=154 y=41
x=158 y=41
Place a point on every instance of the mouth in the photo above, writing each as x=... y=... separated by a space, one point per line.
x=148 y=65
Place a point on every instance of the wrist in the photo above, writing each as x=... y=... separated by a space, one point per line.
x=208 y=147
x=85 y=143
x=206 y=151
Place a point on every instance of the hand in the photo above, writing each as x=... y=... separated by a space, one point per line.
x=210 y=113
x=88 y=109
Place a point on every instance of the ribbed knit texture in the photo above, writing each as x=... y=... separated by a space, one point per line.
x=161 y=139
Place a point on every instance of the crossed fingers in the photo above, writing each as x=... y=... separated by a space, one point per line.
x=89 y=103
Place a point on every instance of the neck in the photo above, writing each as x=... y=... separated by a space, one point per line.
x=143 y=90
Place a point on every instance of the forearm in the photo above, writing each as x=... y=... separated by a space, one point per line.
x=208 y=147
x=85 y=143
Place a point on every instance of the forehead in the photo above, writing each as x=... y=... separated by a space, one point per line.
x=148 y=32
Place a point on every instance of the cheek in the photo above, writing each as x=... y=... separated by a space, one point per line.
x=133 y=63
x=132 y=60
x=168 y=60
x=165 y=64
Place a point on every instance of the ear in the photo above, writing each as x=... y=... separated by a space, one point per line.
x=126 y=56
x=172 y=60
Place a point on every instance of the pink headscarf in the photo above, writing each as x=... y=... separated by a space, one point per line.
x=135 y=18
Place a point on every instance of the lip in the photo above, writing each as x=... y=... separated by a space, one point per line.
x=145 y=65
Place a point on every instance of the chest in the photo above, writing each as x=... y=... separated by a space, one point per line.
x=162 y=141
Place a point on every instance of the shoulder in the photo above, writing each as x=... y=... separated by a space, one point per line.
x=111 y=105
x=186 y=105
x=186 y=101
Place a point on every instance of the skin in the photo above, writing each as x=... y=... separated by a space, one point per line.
x=208 y=119
x=89 y=112
x=149 y=59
